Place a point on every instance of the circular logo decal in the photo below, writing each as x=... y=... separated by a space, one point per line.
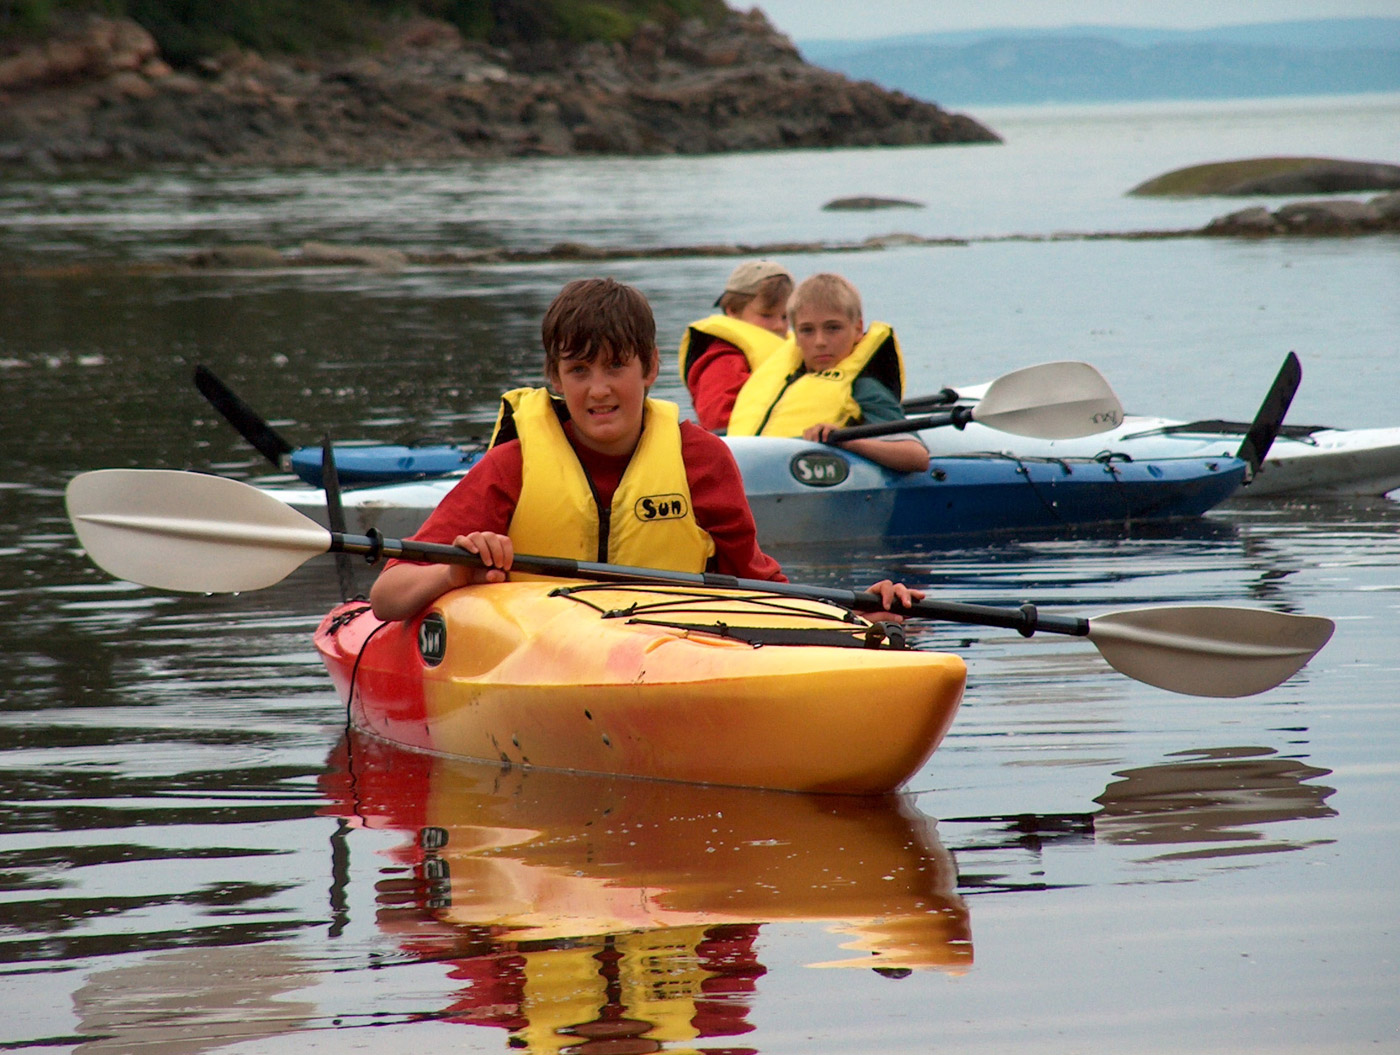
x=432 y=638
x=819 y=468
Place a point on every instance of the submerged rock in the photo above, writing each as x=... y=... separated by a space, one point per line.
x=381 y=257
x=859 y=203
x=237 y=257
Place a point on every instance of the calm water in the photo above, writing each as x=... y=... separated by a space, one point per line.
x=194 y=856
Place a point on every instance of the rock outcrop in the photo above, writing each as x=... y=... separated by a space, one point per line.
x=103 y=94
x=1325 y=216
x=1273 y=175
x=1324 y=177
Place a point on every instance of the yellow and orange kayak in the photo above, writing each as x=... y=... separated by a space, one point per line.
x=675 y=683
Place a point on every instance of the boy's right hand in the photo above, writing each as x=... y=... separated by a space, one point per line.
x=891 y=594
x=496 y=553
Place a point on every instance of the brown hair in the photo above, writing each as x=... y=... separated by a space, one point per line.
x=771 y=293
x=826 y=290
x=598 y=316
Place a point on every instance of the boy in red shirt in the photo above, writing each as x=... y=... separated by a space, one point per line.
x=582 y=474
x=718 y=353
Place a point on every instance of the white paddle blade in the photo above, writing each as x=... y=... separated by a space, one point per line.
x=1052 y=401
x=1208 y=650
x=188 y=531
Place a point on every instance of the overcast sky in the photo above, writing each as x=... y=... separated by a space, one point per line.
x=856 y=19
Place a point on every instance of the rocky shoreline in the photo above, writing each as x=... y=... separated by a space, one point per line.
x=102 y=95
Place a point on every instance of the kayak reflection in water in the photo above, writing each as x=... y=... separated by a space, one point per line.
x=1204 y=804
x=577 y=907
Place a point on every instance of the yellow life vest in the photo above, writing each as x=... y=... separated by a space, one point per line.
x=782 y=398
x=755 y=342
x=651 y=523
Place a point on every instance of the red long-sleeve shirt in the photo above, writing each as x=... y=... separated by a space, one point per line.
x=486 y=497
x=714 y=380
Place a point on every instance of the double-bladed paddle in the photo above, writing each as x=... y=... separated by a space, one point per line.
x=207 y=534
x=1050 y=401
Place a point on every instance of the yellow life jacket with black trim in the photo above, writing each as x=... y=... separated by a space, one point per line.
x=651 y=522
x=755 y=342
x=782 y=398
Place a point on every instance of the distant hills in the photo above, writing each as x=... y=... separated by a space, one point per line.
x=1119 y=63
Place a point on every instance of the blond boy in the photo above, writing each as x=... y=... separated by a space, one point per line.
x=835 y=373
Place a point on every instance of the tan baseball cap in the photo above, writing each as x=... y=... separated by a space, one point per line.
x=748 y=276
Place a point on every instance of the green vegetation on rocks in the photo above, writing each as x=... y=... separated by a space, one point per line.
x=188 y=30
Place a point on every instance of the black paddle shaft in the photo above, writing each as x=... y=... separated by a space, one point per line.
x=335 y=516
x=958 y=417
x=943 y=398
x=249 y=423
x=1026 y=619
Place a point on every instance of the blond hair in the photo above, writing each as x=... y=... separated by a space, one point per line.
x=826 y=290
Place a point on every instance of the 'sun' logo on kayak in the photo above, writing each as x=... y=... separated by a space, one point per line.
x=661 y=507
x=432 y=638
x=819 y=469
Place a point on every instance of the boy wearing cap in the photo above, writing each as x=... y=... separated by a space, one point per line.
x=718 y=353
x=833 y=373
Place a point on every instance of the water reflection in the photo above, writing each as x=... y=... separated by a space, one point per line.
x=1213 y=803
x=192 y=1000
x=574 y=910
x=102 y=364
x=1209 y=803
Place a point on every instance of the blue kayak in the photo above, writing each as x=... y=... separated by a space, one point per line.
x=382 y=463
x=804 y=492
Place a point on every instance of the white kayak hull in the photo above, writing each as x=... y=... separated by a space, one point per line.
x=1315 y=462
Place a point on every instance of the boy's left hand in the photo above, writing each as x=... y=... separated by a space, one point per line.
x=892 y=593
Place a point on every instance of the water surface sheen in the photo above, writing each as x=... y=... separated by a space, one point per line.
x=196 y=856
